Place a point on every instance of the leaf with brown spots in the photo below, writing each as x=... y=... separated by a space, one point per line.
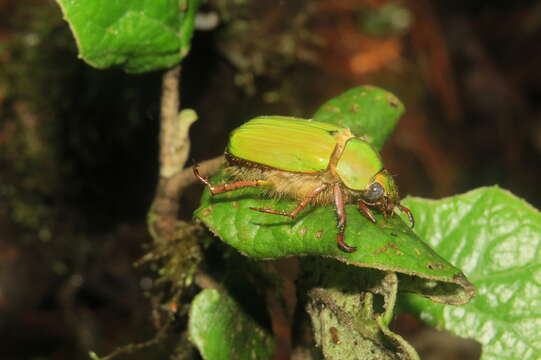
x=388 y=245
x=367 y=111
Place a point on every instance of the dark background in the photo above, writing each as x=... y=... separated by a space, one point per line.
x=78 y=146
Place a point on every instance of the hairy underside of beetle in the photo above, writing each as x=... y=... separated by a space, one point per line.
x=291 y=185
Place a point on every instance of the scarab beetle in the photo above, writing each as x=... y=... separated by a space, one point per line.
x=312 y=162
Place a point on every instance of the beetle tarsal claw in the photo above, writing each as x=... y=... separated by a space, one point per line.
x=408 y=212
x=203 y=179
x=343 y=246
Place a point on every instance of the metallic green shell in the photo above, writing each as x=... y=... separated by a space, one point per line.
x=285 y=143
x=358 y=164
x=388 y=184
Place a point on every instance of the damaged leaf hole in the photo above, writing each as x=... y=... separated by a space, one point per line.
x=434 y=266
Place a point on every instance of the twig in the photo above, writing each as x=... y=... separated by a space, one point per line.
x=186 y=177
x=174 y=149
x=170 y=143
x=205 y=281
x=131 y=348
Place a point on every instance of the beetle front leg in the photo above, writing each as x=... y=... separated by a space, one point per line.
x=408 y=213
x=214 y=190
x=307 y=199
x=341 y=212
x=366 y=211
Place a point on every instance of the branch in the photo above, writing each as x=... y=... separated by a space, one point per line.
x=174 y=150
x=132 y=348
x=186 y=177
x=170 y=124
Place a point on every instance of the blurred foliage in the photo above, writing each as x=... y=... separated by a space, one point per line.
x=391 y=18
x=57 y=268
x=30 y=93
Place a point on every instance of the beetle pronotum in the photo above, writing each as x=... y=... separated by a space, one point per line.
x=312 y=162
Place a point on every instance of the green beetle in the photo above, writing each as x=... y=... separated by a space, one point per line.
x=312 y=162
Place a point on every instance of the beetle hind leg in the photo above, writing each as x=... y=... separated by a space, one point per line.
x=278 y=212
x=215 y=190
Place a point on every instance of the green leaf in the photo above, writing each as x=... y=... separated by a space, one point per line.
x=389 y=245
x=138 y=35
x=495 y=238
x=368 y=111
x=221 y=330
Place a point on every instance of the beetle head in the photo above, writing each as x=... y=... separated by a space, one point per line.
x=382 y=192
x=374 y=192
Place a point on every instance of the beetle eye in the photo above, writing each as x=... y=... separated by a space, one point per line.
x=374 y=192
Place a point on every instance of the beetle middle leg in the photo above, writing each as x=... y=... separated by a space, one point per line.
x=307 y=199
x=340 y=211
x=214 y=190
x=408 y=213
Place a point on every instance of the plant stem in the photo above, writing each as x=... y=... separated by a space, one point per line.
x=174 y=149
